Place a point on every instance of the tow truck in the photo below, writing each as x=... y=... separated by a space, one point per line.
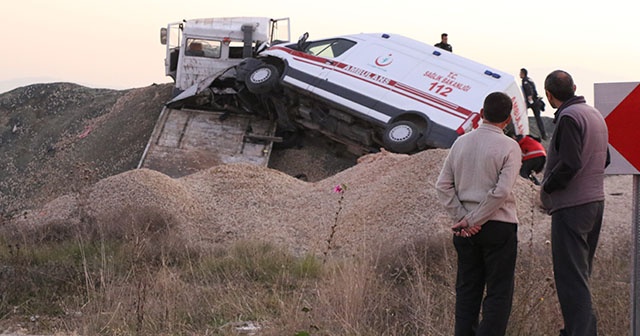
x=192 y=134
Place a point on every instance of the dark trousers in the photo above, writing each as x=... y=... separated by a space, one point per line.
x=532 y=165
x=486 y=259
x=536 y=113
x=574 y=238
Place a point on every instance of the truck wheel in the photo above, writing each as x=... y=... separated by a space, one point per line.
x=401 y=137
x=262 y=79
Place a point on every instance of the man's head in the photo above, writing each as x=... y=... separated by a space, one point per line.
x=497 y=108
x=523 y=73
x=559 y=87
x=444 y=37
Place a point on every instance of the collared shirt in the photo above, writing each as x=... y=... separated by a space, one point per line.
x=477 y=179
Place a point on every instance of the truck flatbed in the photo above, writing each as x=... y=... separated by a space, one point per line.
x=185 y=141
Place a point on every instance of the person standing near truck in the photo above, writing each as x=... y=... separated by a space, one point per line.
x=444 y=43
x=475 y=186
x=534 y=102
x=573 y=193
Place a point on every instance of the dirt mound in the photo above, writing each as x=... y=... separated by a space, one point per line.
x=57 y=138
x=71 y=153
x=389 y=200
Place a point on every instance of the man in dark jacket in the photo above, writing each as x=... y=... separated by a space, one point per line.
x=444 y=43
x=573 y=193
x=534 y=102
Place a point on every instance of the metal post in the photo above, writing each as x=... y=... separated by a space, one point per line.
x=635 y=284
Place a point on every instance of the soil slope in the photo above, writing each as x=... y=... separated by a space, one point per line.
x=71 y=151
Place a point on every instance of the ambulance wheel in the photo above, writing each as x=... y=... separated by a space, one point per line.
x=401 y=137
x=262 y=79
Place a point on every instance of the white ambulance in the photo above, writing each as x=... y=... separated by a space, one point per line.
x=378 y=90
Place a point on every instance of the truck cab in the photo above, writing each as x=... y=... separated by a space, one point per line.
x=199 y=48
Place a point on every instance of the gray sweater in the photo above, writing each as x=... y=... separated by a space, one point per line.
x=477 y=179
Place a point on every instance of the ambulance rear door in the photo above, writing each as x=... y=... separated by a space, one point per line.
x=450 y=90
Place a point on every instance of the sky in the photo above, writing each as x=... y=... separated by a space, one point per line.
x=116 y=43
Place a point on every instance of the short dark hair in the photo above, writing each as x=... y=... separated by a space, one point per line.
x=524 y=71
x=497 y=107
x=560 y=84
x=444 y=34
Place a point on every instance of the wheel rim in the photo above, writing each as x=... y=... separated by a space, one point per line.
x=261 y=75
x=400 y=133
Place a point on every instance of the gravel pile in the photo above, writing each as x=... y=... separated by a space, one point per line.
x=389 y=201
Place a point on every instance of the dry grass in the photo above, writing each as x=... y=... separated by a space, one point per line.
x=141 y=280
x=239 y=247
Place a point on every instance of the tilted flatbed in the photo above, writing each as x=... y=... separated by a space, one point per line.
x=185 y=141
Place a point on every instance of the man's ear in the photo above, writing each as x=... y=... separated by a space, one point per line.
x=482 y=113
x=506 y=122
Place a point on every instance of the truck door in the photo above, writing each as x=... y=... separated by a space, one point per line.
x=170 y=36
x=279 y=31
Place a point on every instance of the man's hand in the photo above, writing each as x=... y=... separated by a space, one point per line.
x=462 y=229
x=545 y=200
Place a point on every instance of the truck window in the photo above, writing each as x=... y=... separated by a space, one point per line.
x=235 y=52
x=329 y=48
x=203 y=48
x=236 y=49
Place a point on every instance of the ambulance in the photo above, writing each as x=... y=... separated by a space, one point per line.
x=377 y=90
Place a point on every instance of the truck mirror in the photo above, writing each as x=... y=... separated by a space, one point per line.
x=163 y=36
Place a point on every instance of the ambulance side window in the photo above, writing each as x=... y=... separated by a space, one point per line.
x=329 y=48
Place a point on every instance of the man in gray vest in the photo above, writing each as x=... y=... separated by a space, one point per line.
x=573 y=193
